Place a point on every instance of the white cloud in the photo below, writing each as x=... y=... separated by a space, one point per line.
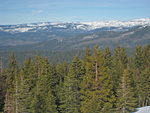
x=37 y=12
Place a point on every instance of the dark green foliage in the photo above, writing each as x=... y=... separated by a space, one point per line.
x=139 y=58
x=144 y=87
x=2 y=89
x=146 y=54
x=71 y=88
x=28 y=83
x=97 y=85
x=119 y=62
x=126 y=101
x=53 y=56
x=44 y=100
x=62 y=71
x=11 y=78
x=108 y=57
x=101 y=82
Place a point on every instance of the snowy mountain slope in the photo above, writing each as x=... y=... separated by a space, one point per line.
x=61 y=36
x=143 y=110
x=75 y=26
x=45 y=41
x=113 y=23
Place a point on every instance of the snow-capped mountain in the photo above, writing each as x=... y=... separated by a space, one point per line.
x=61 y=36
x=75 y=26
x=120 y=24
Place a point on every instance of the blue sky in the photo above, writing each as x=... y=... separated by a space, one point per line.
x=30 y=11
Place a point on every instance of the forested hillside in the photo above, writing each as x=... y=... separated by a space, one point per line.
x=53 y=56
x=101 y=82
x=44 y=41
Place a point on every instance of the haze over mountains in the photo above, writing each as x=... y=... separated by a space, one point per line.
x=74 y=35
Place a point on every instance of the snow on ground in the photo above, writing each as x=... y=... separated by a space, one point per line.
x=145 y=109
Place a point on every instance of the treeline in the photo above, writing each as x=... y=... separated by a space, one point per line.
x=102 y=82
x=53 y=56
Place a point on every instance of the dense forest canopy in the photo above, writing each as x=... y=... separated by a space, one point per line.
x=103 y=81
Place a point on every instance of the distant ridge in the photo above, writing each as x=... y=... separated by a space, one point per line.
x=75 y=35
x=113 y=25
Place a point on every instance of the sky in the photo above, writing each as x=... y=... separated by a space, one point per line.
x=31 y=11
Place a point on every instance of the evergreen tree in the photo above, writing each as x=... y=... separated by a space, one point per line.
x=97 y=86
x=44 y=100
x=71 y=88
x=139 y=59
x=54 y=78
x=119 y=63
x=144 y=89
x=87 y=54
x=35 y=103
x=126 y=102
x=11 y=74
x=108 y=57
x=100 y=83
x=2 y=88
x=28 y=84
x=147 y=55
x=62 y=71
x=139 y=63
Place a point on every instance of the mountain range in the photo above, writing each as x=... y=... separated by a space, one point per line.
x=74 y=35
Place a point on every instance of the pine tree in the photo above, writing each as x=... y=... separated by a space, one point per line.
x=100 y=83
x=139 y=59
x=87 y=54
x=2 y=87
x=54 y=78
x=12 y=73
x=20 y=91
x=28 y=83
x=97 y=86
x=126 y=102
x=71 y=88
x=62 y=71
x=144 y=87
x=51 y=106
x=147 y=55
x=35 y=103
x=108 y=57
x=45 y=100
x=139 y=63
x=119 y=63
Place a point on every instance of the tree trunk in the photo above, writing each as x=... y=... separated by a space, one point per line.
x=22 y=83
x=143 y=102
x=16 y=96
x=123 y=94
x=146 y=102
x=123 y=110
x=96 y=72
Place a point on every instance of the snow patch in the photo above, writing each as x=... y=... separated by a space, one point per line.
x=61 y=26
x=18 y=30
x=31 y=25
x=42 y=24
x=145 y=109
x=90 y=37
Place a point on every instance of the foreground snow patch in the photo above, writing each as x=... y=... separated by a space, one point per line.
x=145 y=109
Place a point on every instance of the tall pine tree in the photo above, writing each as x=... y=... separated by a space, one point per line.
x=11 y=80
x=97 y=86
x=28 y=83
x=126 y=101
x=71 y=88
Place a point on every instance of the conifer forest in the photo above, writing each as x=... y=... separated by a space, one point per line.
x=102 y=81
